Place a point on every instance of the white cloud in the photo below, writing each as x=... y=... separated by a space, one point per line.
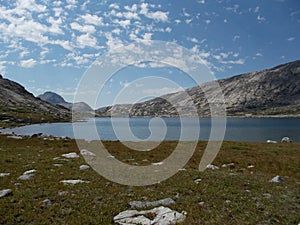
x=193 y=39
x=133 y=8
x=83 y=29
x=256 y=10
x=86 y=40
x=112 y=42
x=114 y=6
x=55 y=25
x=157 y=15
x=161 y=91
x=30 y=5
x=201 y=1
x=122 y=23
x=236 y=37
x=92 y=19
x=291 y=39
x=29 y=63
x=261 y=19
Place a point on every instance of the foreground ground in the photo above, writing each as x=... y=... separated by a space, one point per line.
x=236 y=194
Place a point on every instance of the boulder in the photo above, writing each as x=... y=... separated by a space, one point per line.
x=73 y=181
x=5 y=192
x=84 y=167
x=71 y=155
x=139 y=204
x=286 y=140
x=162 y=216
x=212 y=167
x=4 y=174
x=277 y=179
x=86 y=152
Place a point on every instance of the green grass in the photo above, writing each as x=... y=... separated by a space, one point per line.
x=235 y=195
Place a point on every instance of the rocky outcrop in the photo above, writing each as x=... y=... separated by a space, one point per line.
x=267 y=92
x=18 y=106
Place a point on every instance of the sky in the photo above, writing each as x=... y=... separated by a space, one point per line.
x=48 y=45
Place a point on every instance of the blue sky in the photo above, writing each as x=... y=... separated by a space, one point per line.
x=48 y=45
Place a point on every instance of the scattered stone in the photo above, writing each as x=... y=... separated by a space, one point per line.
x=267 y=195
x=56 y=158
x=197 y=181
x=26 y=176
x=201 y=203
x=62 y=193
x=157 y=164
x=86 y=152
x=226 y=165
x=227 y=201
x=270 y=141
x=4 y=174
x=211 y=166
x=250 y=166
x=286 y=139
x=110 y=157
x=5 y=192
x=139 y=204
x=163 y=216
x=17 y=184
x=29 y=172
x=57 y=164
x=71 y=155
x=15 y=137
x=182 y=169
x=277 y=179
x=84 y=167
x=73 y=181
x=46 y=202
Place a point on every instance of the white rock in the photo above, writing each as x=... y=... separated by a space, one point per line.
x=46 y=202
x=277 y=179
x=250 y=166
x=29 y=172
x=157 y=164
x=5 y=192
x=15 y=137
x=197 y=181
x=286 y=139
x=26 y=176
x=71 y=155
x=139 y=204
x=270 y=141
x=73 y=181
x=57 y=164
x=4 y=174
x=84 y=167
x=86 y=152
x=226 y=165
x=211 y=166
x=163 y=216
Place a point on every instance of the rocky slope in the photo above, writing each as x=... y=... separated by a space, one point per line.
x=18 y=106
x=56 y=99
x=274 y=91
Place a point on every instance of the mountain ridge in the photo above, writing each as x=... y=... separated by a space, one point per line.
x=274 y=91
x=19 y=107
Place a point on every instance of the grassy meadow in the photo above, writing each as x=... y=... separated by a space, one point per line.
x=234 y=194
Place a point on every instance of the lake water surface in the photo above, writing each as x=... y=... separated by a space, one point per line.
x=237 y=129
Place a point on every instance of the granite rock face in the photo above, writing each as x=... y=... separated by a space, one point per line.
x=274 y=91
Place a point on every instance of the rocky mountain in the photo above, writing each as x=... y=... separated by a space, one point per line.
x=274 y=91
x=52 y=98
x=18 y=106
x=56 y=99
